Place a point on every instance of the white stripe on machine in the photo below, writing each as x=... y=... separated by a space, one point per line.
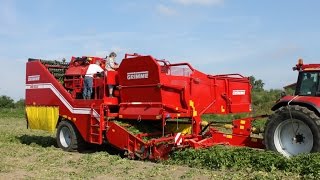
x=63 y=99
x=178 y=139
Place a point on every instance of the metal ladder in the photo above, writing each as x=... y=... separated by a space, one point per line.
x=96 y=126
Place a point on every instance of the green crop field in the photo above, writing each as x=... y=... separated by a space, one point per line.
x=29 y=154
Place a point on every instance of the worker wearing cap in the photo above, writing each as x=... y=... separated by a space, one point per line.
x=111 y=66
x=88 y=79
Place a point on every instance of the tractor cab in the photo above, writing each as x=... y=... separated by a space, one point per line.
x=308 y=83
x=308 y=79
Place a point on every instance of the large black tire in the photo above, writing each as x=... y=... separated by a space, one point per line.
x=293 y=134
x=68 y=137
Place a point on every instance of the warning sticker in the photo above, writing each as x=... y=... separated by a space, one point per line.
x=238 y=92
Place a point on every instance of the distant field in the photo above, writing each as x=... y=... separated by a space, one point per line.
x=12 y=113
x=28 y=154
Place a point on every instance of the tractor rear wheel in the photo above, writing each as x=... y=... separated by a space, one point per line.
x=68 y=137
x=293 y=130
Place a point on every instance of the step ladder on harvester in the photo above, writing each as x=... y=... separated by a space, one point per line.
x=99 y=124
x=95 y=126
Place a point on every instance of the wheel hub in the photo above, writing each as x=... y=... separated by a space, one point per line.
x=299 y=138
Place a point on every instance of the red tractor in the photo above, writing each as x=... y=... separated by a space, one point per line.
x=294 y=127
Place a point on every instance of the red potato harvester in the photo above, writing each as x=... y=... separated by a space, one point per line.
x=164 y=101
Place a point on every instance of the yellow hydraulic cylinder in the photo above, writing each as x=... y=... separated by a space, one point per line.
x=228 y=126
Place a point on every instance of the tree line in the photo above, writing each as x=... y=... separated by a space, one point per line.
x=8 y=102
x=262 y=99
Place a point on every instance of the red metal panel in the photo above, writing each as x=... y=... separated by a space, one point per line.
x=139 y=111
x=112 y=77
x=142 y=70
x=213 y=100
x=310 y=99
x=175 y=92
x=240 y=95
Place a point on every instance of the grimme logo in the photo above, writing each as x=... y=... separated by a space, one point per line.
x=138 y=75
x=34 y=78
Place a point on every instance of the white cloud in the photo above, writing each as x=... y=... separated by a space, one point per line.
x=165 y=10
x=200 y=2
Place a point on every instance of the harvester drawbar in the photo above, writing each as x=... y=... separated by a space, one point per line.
x=164 y=102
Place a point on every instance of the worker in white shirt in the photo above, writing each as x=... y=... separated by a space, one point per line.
x=88 y=79
x=111 y=66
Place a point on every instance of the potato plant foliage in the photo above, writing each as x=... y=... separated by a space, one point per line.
x=221 y=157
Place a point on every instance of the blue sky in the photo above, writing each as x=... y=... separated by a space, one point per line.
x=262 y=38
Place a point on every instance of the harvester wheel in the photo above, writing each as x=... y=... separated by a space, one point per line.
x=293 y=130
x=68 y=137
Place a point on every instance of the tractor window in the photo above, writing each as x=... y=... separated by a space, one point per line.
x=308 y=83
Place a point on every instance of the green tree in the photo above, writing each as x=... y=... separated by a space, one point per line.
x=257 y=84
x=263 y=100
x=20 y=103
x=6 y=102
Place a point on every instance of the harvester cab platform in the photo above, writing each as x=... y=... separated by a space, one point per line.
x=157 y=105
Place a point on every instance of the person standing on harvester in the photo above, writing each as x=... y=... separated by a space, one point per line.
x=88 y=79
x=111 y=66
